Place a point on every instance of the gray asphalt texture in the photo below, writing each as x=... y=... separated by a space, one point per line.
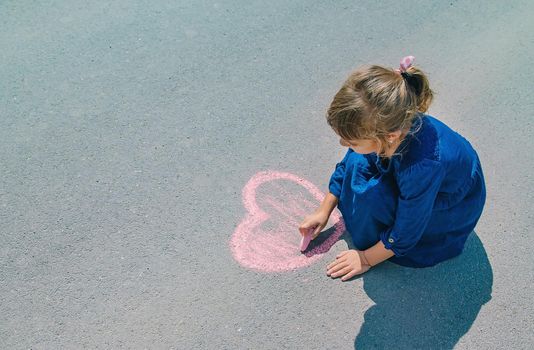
x=128 y=130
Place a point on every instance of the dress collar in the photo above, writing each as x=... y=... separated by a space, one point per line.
x=402 y=147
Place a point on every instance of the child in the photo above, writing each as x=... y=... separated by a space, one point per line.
x=410 y=189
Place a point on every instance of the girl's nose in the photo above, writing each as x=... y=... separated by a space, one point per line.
x=343 y=143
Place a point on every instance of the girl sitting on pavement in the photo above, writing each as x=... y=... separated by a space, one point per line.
x=410 y=188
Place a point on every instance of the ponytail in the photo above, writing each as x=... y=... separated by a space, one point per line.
x=418 y=83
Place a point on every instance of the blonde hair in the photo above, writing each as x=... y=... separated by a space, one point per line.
x=375 y=101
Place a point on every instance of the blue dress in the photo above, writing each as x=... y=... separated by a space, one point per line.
x=422 y=204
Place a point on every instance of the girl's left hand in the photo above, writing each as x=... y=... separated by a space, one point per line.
x=348 y=263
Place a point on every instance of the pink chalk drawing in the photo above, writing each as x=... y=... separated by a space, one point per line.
x=268 y=240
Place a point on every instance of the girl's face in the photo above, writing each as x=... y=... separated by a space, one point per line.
x=363 y=146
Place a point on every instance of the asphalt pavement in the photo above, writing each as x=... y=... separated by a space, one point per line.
x=157 y=156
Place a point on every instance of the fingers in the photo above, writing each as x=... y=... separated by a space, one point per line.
x=303 y=228
x=336 y=266
x=345 y=265
x=349 y=275
x=342 y=272
x=341 y=254
x=306 y=226
x=316 y=231
x=335 y=262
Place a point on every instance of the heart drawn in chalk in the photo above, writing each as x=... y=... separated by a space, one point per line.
x=267 y=239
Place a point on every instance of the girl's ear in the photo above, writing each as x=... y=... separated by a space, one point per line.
x=394 y=135
x=343 y=143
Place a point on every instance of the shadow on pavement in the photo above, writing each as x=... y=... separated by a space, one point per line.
x=426 y=308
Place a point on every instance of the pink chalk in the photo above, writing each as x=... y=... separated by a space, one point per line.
x=306 y=239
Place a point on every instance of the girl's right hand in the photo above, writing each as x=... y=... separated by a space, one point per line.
x=316 y=221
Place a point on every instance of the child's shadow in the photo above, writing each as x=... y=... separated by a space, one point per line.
x=428 y=308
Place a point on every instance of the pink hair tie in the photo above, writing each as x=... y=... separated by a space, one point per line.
x=405 y=63
x=410 y=80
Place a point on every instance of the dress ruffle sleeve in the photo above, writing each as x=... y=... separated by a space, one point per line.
x=336 y=180
x=418 y=185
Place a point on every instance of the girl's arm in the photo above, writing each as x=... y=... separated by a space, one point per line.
x=328 y=204
x=377 y=253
